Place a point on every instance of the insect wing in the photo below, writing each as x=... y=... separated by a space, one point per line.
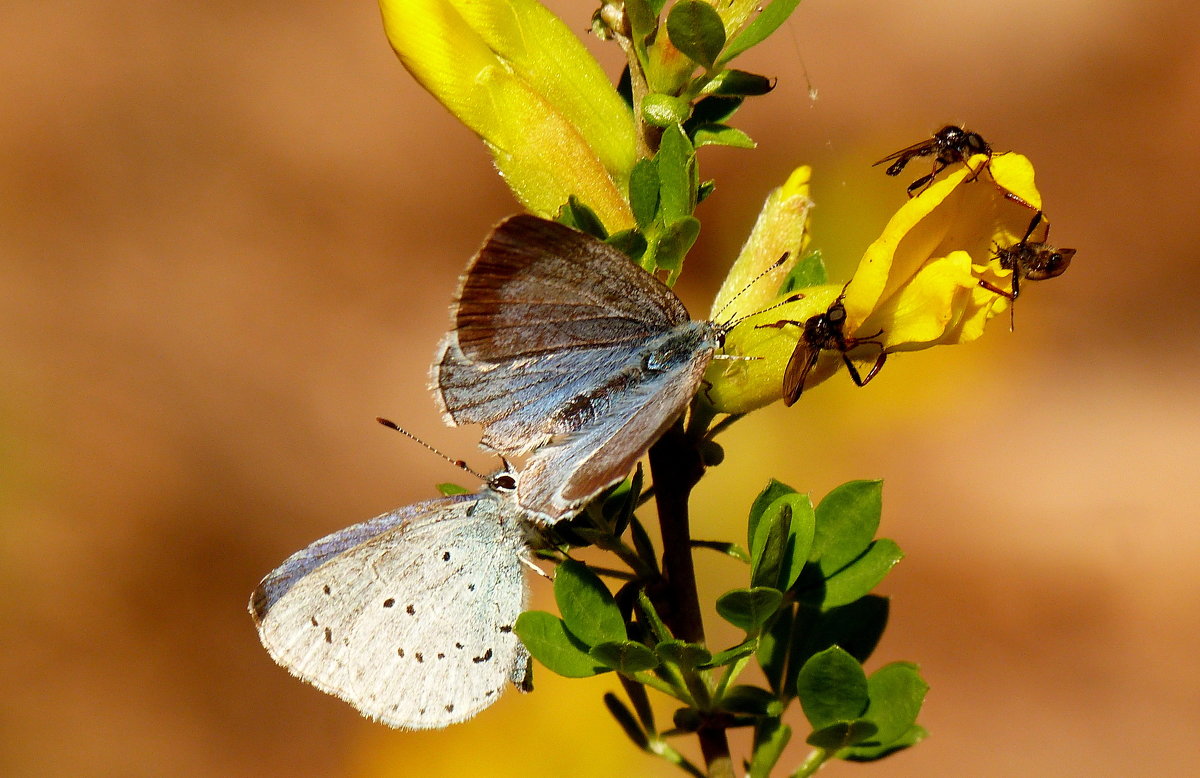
x=408 y=617
x=560 y=477
x=538 y=287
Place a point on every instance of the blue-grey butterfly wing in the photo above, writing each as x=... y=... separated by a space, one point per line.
x=514 y=398
x=408 y=616
x=561 y=476
x=538 y=287
x=544 y=314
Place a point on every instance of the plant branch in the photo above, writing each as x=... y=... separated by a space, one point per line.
x=676 y=467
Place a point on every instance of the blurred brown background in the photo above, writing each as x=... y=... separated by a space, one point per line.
x=229 y=232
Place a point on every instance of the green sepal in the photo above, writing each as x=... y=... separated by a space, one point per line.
x=809 y=271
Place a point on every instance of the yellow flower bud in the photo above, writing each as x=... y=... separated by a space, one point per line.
x=515 y=75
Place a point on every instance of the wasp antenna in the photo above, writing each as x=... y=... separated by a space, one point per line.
x=460 y=464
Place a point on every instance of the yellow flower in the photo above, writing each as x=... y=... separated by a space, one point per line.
x=917 y=285
x=514 y=74
x=919 y=282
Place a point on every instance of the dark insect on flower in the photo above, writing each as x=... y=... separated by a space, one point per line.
x=948 y=146
x=1029 y=260
x=823 y=332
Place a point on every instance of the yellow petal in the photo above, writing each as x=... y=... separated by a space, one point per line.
x=965 y=211
x=782 y=227
x=516 y=76
x=741 y=385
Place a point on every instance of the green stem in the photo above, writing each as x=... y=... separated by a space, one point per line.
x=811 y=764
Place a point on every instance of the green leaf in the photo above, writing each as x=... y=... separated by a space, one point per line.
x=770 y=544
x=846 y=522
x=696 y=29
x=773 y=491
x=449 y=490
x=643 y=192
x=575 y=213
x=832 y=688
x=587 y=607
x=704 y=190
x=686 y=655
x=628 y=723
x=676 y=161
x=864 y=753
x=624 y=656
x=800 y=532
x=729 y=549
x=749 y=609
x=809 y=271
x=738 y=83
x=770 y=493
x=761 y=28
x=630 y=242
x=547 y=639
x=731 y=655
x=863 y=575
x=841 y=735
x=714 y=110
x=750 y=700
x=855 y=627
x=773 y=648
x=643 y=19
x=897 y=692
x=664 y=110
x=721 y=135
x=642 y=544
x=674 y=243
x=622 y=501
x=771 y=736
x=651 y=618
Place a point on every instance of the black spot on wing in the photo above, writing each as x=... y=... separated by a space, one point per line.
x=389 y=602
x=487 y=655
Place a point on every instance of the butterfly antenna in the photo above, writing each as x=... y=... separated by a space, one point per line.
x=460 y=464
x=774 y=266
x=791 y=298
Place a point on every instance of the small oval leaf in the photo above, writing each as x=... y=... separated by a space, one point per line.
x=686 y=655
x=841 y=735
x=696 y=29
x=858 y=579
x=847 y=520
x=749 y=609
x=832 y=688
x=624 y=656
x=587 y=607
x=547 y=640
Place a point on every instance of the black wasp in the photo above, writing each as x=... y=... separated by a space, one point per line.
x=1029 y=260
x=823 y=332
x=948 y=146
